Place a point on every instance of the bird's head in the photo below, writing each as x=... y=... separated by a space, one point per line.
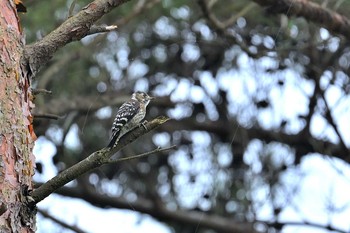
x=142 y=97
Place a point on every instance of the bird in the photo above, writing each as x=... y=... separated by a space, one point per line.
x=129 y=116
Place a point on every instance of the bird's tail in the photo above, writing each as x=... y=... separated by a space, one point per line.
x=113 y=140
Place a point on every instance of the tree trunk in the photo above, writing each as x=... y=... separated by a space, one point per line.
x=16 y=132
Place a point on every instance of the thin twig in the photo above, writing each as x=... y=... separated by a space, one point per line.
x=56 y=220
x=330 y=120
x=47 y=115
x=158 y=149
x=280 y=225
x=229 y=22
x=71 y=8
x=137 y=10
x=101 y=29
x=41 y=91
x=329 y=117
x=222 y=25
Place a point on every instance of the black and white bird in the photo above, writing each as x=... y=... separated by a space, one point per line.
x=129 y=116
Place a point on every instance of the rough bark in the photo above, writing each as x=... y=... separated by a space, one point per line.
x=18 y=66
x=16 y=132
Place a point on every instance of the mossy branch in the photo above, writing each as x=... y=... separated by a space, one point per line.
x=93 y=161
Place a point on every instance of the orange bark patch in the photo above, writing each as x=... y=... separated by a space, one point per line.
x=20 y=7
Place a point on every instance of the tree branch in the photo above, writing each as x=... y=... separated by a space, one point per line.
x=56 y=67
x=43 y=91
x=207 y=6
x=137 y=10
x=94 y=160
x=158 y=149
x=160 y=212
x=221 y=26
x=299 y=141
x=311 y=11
x=47 y=116
x=56 y=220
x=330 y=119
x=280 y=225
x=74 y=28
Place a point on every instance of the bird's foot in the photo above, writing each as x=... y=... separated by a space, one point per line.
x=144 y=124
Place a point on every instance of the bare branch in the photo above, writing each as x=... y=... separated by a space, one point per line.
x=47 y=115
x=222 y=25
x=299 y=141
x=158 y=149
x=137 y=10
x=41 y=91
x=94 y=160
x=71 y=8
x=331 y=121
x=280 y=225
x=56 y=67
x=102 y=28
x=311 y=11
x=56 y=220
x=148 y=206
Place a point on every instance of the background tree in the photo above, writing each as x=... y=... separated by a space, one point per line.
x=257 y=90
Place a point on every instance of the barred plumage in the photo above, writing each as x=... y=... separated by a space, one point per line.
x=129 y=116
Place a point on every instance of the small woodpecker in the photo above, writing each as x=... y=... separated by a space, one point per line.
x=129 y=116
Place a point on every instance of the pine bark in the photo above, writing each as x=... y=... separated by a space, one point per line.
x=16 y=132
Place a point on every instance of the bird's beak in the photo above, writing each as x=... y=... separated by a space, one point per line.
x=152 y=97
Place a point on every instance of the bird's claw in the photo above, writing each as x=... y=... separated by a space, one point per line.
x=144 y=124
